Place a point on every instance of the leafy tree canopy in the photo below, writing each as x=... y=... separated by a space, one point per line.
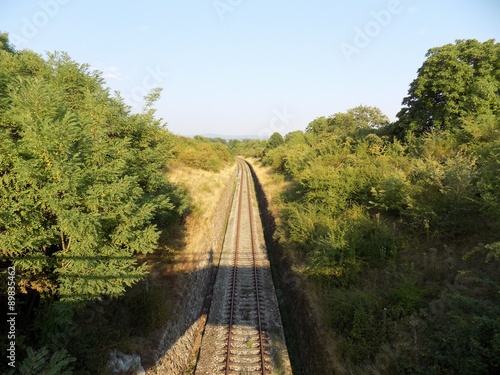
x=81 y=179
x=274 y=141
x=4 y=43
x=457 y=82
x=348 y=123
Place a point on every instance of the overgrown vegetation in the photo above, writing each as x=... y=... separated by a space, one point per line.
x=210 y=154
x=250 y=148
x=397 y=225
x=86 y=212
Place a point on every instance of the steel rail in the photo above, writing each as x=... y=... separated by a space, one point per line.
x=245 y=178
x=250 y=212
x=235 y=268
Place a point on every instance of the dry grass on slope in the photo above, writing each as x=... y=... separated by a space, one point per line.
x=272 y=183
x=204 y=189
x=183 y=249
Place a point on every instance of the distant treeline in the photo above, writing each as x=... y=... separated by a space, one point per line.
x=210 y=154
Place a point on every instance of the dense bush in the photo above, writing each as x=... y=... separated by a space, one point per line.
x=202 y=153
x=250 y=148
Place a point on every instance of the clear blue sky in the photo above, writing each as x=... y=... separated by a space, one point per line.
x=251 y=66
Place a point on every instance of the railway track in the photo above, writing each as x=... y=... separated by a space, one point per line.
x=245 y=350
x=244 y=333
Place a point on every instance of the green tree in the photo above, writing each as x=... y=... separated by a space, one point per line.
x=202 y=153
x=82 y=183
x=274 y=141
x=367 y=117
x=4 y=43
x=350 y=122
x=295 y=137
x=318 y=125
x=456 y=82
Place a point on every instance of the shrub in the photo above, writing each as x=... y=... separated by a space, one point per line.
x=41 y=362
x=369 y=239
x=201 y=153
x=358 y=315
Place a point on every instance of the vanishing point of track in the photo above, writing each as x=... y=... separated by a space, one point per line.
x=244 y=334
x=232 y=359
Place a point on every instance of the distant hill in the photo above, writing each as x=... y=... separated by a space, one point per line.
x=210 y=135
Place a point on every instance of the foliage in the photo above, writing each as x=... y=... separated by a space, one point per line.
x=370 y=203
x=202 y=153
x=4 y=43
x=251 y=148
x=358 y=315
x=289 y=156
x=40 y=362
x=350 y=122
x=274 y=141
x=125 y=323
x=470 y=344
x=83 y=184
x=470 y=312
x=456 y=83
